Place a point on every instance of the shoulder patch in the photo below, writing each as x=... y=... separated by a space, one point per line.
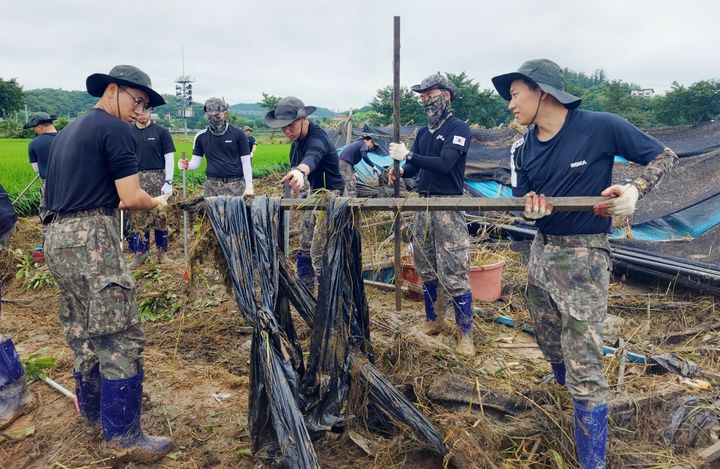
x=458 y=140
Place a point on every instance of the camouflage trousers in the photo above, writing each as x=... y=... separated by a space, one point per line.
x=42 y=210
x=98 y=312
x=348 y=173
x=567 y=293
x=140 y=221
x=313 y=236
x=440 y=250
x=224 y=186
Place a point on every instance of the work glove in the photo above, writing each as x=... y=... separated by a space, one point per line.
x=295 y=179
x=536 y=206
x=166 y=189
x=624 y=199
x=249 y=191
x=391 y=176
x=183 y=164
x=162 y=201
x=398 y=151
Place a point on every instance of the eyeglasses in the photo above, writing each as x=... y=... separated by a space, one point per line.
x=139 y=102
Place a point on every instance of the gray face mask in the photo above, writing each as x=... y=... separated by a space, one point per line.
x=217 y=126
x=437 y=109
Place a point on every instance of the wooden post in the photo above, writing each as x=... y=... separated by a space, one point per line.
x=396 y=164
x=348 y=128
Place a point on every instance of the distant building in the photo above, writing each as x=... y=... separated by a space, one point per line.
x=643 y=92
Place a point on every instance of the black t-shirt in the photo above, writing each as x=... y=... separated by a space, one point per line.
x=86 y=158
x=578 y=161
x=39 y=151
x=355 y=152
x=251 y=142
x=8 y=217
x=316 y=151
x=153 y=142
x=223 y=152
x=445 y=178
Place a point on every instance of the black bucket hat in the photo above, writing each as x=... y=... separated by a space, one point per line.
x=287 y=111
x=123 y=75
x=37 y=118
x=435 y=81
x=546 y=74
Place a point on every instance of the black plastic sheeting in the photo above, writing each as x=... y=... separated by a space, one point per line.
x=689 y=140
x=693 y=418
x=288 y=402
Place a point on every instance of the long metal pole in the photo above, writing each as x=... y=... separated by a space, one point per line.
x=26 y=188
x=396 y=164
x=186 y=272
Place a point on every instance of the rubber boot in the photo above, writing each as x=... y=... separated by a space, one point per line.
x=464 y=319
x=591 y=435
x=305 y=271
x=15 y=399
x=120 y=401
x=559 y=372
x=161 y=242
x=139 y=250
x=432 y=325
x=87 y=390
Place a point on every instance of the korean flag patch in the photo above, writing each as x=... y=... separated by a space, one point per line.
x=458 y=140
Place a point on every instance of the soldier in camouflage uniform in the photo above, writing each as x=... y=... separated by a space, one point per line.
x=570 y=152
x=312 y=157
x=440 y=239
x=229 y=162
x=156 y=165
x=15 y=399
x=92 y=172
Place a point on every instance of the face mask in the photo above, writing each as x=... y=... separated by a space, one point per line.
x=437 y=109
x=217 y=126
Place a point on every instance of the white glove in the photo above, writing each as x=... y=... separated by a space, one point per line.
x=166 y=189
x=398 y=151
x=295 y=179
x=162 y=200
x=623 y=202
x=536 y=206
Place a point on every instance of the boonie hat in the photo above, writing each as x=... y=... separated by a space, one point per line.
x=288 y=110
x=435 y=81
x=37 y=118
x=546 y=74
x=123 y=75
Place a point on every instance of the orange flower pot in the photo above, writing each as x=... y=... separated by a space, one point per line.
x=486 y=281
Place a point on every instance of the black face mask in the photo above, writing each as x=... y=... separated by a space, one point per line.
x=217 y=126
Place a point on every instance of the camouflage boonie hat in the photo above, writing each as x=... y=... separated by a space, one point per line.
x=213 y=105
x=287 y=111
x=37 y=118
x=435 y=81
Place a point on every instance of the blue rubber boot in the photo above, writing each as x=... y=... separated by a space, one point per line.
x=559 y=372
x=591 y=435
x=161 y=242
x=134 y=243
x=87 y=390
x=15 y=400
x=464 y=320
x=433 y=324
x=120 y=401
x=305 y=270
x=139 y=248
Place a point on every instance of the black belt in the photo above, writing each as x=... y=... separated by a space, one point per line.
x=230 y=179
x=53 y=217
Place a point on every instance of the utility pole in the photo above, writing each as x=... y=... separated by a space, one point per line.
x=183 y=94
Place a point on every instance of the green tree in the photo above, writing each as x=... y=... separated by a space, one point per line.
x=700 y=102
x=476 y=106
x=411 y=112
x=269 y=101
x=11 y=96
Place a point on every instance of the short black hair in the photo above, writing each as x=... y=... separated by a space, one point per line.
x=531 y=84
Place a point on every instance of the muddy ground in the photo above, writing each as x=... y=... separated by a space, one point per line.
x=495 y=410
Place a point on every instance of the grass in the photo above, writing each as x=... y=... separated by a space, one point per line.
x=16 y=172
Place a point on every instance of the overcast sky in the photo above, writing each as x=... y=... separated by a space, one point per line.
x=336 y=54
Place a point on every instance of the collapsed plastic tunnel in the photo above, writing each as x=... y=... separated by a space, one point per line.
x=292 y=401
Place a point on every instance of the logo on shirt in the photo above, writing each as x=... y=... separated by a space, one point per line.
x=440 y=137
x=150 y=139
x=228 y=141
x=577 y=164
x=458 y=140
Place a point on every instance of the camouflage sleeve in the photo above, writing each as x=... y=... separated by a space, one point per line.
x=654 y=171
